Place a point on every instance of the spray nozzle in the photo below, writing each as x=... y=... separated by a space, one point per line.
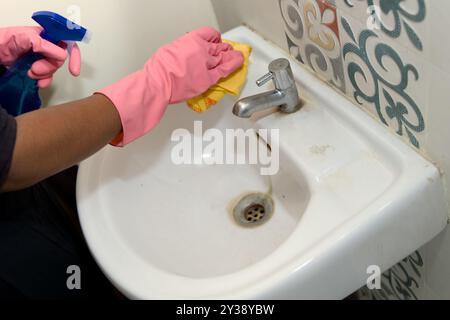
x=57 y=28
x=18 y=92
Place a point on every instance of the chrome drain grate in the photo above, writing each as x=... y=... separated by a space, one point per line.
x=254 y=210
x=255 y=213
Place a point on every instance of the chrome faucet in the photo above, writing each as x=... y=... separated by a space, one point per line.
x=285 y=96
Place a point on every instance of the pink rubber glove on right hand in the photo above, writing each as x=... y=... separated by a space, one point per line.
x=177 y=72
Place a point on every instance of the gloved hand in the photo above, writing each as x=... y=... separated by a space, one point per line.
x=177 y=72
x=16 y=41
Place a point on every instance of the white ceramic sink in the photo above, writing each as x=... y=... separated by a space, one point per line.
x=349 y=195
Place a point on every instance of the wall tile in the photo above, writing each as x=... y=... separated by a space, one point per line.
x=398 y=20
x=439 y=23
x=379 y=73
x=437 y=261
x=386 y=79
x=438 y=132
x=428 y=294
x=313 y=37
x=418 y=25
x=437 y=252
x=404 y=281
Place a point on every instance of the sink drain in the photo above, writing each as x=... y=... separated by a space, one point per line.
x=255 y=213
x=254 y=210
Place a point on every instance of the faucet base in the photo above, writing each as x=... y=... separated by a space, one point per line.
x=289 y=110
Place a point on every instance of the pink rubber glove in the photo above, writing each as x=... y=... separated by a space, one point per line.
x=16 y=41
x=177 y=72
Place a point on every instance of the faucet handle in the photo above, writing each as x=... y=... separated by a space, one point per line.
x=281 y=73
x=264 y=79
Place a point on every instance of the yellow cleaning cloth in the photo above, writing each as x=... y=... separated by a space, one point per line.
x=231 y=85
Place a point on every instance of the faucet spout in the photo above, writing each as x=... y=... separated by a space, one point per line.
x=285 y=96
x=246 y=107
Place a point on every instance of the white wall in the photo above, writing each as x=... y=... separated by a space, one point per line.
x=262 y=15
x=125 y=34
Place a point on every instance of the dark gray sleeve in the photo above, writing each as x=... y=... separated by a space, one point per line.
x=8 y=131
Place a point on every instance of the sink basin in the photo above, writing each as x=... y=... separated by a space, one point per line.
x=348 y=195
x=181 y=220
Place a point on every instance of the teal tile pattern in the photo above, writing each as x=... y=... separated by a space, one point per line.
x=400 y=282
x=394 y=106
x=391 y=96
x=403 y=18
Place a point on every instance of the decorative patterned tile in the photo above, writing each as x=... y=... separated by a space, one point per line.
x=397 y=19
x=387 y=80
x=313 y=37
x=401 y=282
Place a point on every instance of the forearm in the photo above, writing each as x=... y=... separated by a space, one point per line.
x=53 y=139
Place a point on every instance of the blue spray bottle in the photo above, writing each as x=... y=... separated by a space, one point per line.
x=18 y=92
